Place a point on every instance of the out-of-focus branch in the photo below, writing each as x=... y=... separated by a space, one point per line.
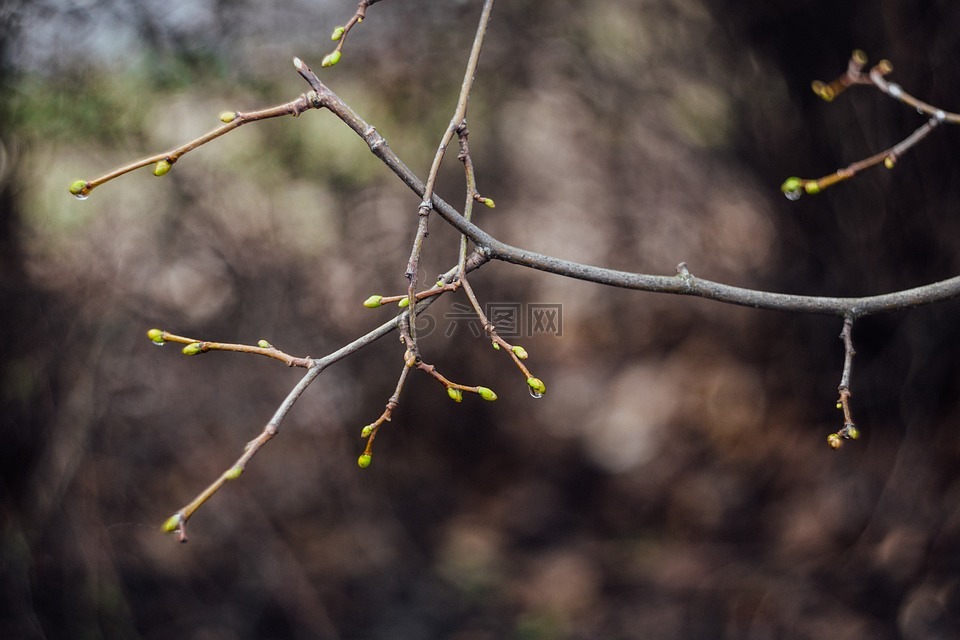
x=794 y=187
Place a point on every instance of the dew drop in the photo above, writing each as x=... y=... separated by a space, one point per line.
x=159 y=343
x=793 y=194
x=82 y=196
x=536 y=395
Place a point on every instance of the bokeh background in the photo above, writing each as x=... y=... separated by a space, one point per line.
x=674 y=483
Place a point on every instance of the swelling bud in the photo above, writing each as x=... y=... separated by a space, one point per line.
x=487 y=394
x=330 y=59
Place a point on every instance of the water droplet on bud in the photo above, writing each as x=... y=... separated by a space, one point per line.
x=793 y=195
x=536 y=395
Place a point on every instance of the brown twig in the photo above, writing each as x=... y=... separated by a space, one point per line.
x=163 y=161
x=849 y=430
x=195 y=347
x=794 y=187
x=177 y=522
x=426 y=205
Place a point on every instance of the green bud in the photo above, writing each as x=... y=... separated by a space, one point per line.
x=834 y=441
x=536 y=385
x=330 y=59
x=825 y=91
x=487 y=394
x=337 y=33
x=372 y=302
x=455 y=394
x=172 y=523
x=812 y=187
x=233 y=473
x=890 y=162
x=489 y=202
x=403 y=304
x=852 y=432
x=520 y=352
x=227 y=117
x=78 y=187
x=156 y=335
x=364 y=460
x=192 y=349
x=792 y=184
x=162 y=168
x=367 y=430
x=263 y=344
x=495 y=345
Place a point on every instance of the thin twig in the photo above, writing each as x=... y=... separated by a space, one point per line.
x=177 y=522
x=234 y=120
x=423 y=211
x=794 y=187
x=195 y=347
x=849 y=430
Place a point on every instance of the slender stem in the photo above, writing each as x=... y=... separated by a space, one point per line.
x=270 y=351
x=849 y=430
x=292 y=108
x=413 y=264
x=177 y=522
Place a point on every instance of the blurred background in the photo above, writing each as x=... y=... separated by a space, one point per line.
x=674 y=482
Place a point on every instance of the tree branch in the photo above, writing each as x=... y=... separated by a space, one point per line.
x=684 y=283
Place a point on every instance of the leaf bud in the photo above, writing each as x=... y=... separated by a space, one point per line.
x=364 y=461
x=851 y=432
x=825 y=91
x=489 y=203
x=372 y=302
x=79 y=187
x=366 y=431
x=227 y=117
x=536 y=385
x=487 y=394
x=834 y=441
x=404 y=303
x=192 y=349
x=172 y=523
x=156 y=335
x=263 y=344
x=455 y=394
x=793 y=184
x=162 y=168
x=520 y=352
x=337 y=33
x=330 y=59
x=890 y=162
x=233 y=473
x=811 y=187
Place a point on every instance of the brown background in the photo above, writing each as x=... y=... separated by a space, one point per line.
x=673 y=483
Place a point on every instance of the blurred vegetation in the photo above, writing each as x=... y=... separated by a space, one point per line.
x=673 y=484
